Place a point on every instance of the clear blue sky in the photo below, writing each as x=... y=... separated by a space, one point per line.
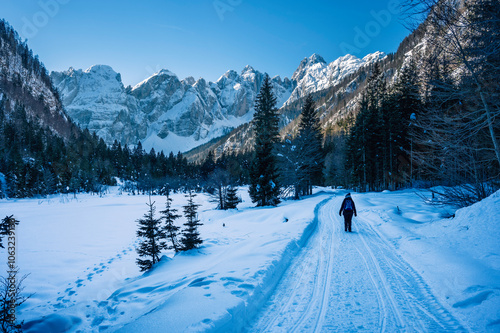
x=201 y=38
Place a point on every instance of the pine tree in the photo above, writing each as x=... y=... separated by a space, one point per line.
x=6 y=225
x=170 y=229
x=367 y=146
x=190 y=235
x=291 y=160
x=232 y=199
x=264 y=188
x=310 y=145
x=208 y=165
x=377 y=93
x=357 y=147
x=218 y=180
x=404 y=101
x=152 y=238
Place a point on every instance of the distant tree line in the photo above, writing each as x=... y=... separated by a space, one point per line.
x=35 y=161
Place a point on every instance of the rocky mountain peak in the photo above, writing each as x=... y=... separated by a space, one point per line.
x=314 y=63
x=315 y=74
x=189 y=80
x=373 y=57
x=230 y=74
x=316 y=58
x=248 y=69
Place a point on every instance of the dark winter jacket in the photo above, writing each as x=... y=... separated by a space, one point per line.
x=343 y=207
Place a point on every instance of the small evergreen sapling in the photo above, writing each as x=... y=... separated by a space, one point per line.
x=190 y=235
x=5 y=225
x=232 y=199
x=11 y=288
x=152 y=238
x=170 y=229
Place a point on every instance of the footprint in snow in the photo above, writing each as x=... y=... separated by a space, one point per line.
x=246 y=286
x=200 y=282
x=239 y=293
x=474 y=300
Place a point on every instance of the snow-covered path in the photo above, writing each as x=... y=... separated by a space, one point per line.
x=352 y=282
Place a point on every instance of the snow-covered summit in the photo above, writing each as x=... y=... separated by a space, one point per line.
x=373 y=57
x=230 y=74
x=103 y=70
x=96 y=99
x=315 y=64
x=156 y=78
x=314 y=74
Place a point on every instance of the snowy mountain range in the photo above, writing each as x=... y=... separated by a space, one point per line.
x=169 y=114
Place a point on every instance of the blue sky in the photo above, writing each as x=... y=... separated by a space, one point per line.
x=201 y=38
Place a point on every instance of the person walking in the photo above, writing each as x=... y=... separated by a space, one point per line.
x=349 y=208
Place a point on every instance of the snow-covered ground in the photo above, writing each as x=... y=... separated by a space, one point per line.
x=284 y=269
x=403 y=269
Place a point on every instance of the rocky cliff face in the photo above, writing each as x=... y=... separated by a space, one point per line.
x=169 y=114
x=96 y=99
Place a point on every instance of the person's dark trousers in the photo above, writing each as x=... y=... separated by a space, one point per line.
x=348 y=220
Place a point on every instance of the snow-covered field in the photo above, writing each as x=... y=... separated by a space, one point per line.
x=284 y=269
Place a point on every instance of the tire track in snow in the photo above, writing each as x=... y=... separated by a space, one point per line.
x=318 y=303
x=381 y=301
x=380 y=283
x=411 y=292
x=296 y=298
x=301 y=300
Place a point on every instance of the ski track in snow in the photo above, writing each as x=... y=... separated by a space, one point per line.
x=352 y=282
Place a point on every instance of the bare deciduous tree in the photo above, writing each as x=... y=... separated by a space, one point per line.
x=467 y=36
x=456 y=135
x=11 y=297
